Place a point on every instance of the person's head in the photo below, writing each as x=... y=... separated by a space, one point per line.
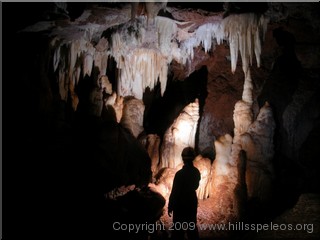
x=188 y=154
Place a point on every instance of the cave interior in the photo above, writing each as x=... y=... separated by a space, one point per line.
x=107 y=95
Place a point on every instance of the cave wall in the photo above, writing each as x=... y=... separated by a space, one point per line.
x=287 y=79
x=292 y=89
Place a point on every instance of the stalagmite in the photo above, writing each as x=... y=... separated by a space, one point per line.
x=242 y=117
x=227 y=182
x=258 y=144
x=181 y=134
x=105 y=84
x=115 y=102
x=152 y=145
x=164 y=180
x=247 y=88
x=132 y=117
x=204 y=166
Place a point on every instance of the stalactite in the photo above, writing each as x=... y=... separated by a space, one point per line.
x=141 y=69
x=73 y=48
x=243 y=32
x=101 y=62
x=167 y=30
x=56 y=58
x=73 y=95
x=143 y=53
x=77 y=75
x=148 y=58
x=87 y=64
x=63 y=85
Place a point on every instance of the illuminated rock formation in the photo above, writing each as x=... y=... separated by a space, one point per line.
x=204 y=166
x=150 y=9
x=106 y=86
x=152 y=144
x=143 y=53
x=258 y=144
x=242 y=117
x=115 y=104
x=228 y=181
x=164 y=180
x=132 y=117
x=181 y=134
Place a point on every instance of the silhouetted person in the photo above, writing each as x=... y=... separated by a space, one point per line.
x=183 y=201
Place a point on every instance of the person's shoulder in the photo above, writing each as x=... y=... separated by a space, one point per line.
x=195 y=168
x=197 y=171
x=179 y=172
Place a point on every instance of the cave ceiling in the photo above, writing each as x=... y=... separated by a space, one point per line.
x=92 y=22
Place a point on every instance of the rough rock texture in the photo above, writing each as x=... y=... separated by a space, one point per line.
x=180 y=135
x=132 y=117
x=204 y=166
x=300 y=222
x=137 y=206
x=224 y=90
x=114 y=105
x=164 y=180
x=259 y=147
x=227 y=180
x=152 y=145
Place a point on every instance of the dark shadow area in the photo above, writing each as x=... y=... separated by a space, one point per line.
x=295 y=174
x=162 y=111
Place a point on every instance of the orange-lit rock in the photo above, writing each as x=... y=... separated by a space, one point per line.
x=115 y=104
x=258 y=144
x=227 y=183
x=152 y=144
x=204 y=166
x=164 y=180
x=181 y=134
x=132 y=117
